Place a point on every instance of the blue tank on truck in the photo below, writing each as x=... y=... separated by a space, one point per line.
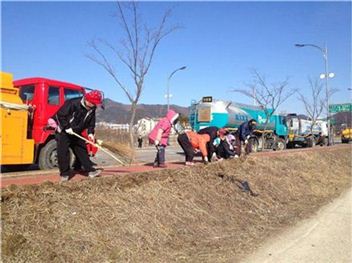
x=220 y=113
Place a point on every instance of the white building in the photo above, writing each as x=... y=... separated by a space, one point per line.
x=145 y=125
x=114 y=126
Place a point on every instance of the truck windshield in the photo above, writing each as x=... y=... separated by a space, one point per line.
x=26 y=93
x=284 y=120
x=72 y=94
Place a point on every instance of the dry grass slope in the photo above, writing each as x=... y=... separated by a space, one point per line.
x=117 y=142
x=193 y=214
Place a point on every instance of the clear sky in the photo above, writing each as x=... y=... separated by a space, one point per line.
x=220 y=43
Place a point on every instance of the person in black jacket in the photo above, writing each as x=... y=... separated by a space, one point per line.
x=243 y=134
x=75 y=116
x=225 y=149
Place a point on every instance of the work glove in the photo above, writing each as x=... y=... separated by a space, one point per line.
x=206 y=161
x=91 y=138
x=156 y=143
x=69 y=131
x=246 y=141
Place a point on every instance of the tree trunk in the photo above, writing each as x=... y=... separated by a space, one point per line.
x=264 y=132
x=130 y=128
x=312 y=135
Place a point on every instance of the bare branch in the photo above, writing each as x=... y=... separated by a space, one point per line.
x=125 y=25
x=135 y=52
x=103 y=62
x=314 y=104
x=156 y=38
x=120 y=56
x=267 y=97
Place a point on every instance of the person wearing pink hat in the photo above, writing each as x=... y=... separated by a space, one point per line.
x=159 y=136
x=225 y=149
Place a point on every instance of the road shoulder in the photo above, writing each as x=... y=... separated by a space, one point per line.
x=325 y=237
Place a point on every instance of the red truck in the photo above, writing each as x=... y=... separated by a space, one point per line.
x=45 y=97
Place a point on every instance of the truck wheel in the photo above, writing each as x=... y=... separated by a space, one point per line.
x=310 y=142
x=48 y=156
x=290 y=145
x=280 y=145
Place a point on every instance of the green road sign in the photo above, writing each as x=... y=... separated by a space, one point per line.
x=346 y=107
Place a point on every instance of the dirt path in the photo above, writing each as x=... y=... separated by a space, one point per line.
x=326 y=237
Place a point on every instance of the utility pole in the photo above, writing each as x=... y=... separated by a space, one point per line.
x=327 y=90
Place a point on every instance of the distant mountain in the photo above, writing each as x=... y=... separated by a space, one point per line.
x=116 y=112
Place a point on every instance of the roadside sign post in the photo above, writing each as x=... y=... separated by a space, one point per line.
x=343 y=107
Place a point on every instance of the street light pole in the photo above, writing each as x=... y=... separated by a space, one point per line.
x=327 y=90
x=327 y=93
x=168 y=85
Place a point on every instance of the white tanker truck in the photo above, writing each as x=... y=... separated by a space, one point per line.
x=300 y=133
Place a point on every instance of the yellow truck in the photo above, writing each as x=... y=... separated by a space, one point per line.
x=346 y=134
x=15 y=147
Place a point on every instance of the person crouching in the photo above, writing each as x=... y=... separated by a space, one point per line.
x=190 y=142
x=225 y=149
x=159 y=136
x=243 y=134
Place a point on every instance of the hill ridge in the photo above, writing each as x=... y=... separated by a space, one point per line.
x=117 y=112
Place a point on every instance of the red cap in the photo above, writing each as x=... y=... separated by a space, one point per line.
x=94 y=97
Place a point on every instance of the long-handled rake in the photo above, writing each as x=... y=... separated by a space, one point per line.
x=99 y=147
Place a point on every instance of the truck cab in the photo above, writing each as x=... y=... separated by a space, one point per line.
x=44 y=97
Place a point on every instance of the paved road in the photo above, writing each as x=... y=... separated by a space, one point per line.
x=326 y=237
x=143 y=155
x=147 y=155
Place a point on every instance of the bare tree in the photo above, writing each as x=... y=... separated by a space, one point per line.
x=267 y=96
x=315 y=104
x=135 y=51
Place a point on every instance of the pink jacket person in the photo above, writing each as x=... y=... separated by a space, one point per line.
x=162 y=129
